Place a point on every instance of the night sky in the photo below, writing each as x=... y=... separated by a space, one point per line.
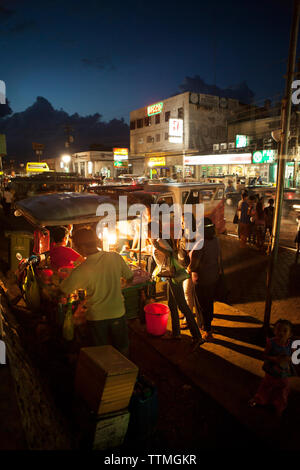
x=112 y=57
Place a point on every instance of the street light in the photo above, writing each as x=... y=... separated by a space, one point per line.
x=66 y=161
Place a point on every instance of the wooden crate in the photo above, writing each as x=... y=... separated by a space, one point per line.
x=105 y=379
x=111 y=430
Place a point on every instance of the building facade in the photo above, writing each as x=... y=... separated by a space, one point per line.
x=188 y=124
x=93 y=163
x=264 y=148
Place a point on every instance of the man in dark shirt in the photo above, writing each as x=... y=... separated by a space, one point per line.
x=269 y=213
x=244 y=220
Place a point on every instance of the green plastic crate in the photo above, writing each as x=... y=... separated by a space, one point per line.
x=20 y=242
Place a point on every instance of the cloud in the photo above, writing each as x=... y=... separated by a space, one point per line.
x=196 y=84
x=42 y=123
x=101 y=63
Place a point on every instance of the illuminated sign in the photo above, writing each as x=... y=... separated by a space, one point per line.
x=263 y=156
x=157 y=161
x=176 y=131
x=221 y=159
x=241 y=141
x=155 y=108
x=36 y=167
x=120 y=163
x=120 y=153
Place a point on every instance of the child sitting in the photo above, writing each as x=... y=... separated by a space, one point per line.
x=274 y=388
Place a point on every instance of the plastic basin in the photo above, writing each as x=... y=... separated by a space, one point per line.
x=156 y=318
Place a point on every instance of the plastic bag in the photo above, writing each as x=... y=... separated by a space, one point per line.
x=181 y=273
x=68 y=326
x=31 y=290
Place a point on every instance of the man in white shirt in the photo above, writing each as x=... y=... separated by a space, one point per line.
x=100 y=275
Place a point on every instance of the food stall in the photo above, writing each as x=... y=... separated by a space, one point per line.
x=39 y=282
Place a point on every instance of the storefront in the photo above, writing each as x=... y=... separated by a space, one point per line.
x=289 y=174
x=218 y=165
x=157 y=167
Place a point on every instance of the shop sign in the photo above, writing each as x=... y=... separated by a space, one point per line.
x=263 y=156
x=120 y=163
x=120 y=154
x=241 y=141
x=157 y=161
x=155 y=108
x=221 y=159
x=175 y=130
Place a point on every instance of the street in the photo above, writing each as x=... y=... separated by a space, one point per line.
x=187 y=412
x=288 y=227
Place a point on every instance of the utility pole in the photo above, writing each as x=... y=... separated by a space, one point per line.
x=296 y=156
x=283 y=154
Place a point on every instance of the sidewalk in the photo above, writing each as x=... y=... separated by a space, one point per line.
x=246 y=274
x=229 y=370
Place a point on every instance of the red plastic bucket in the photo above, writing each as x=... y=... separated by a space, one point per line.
x=156 y=318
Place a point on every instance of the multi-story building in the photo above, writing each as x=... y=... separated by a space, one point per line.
x=164 y=133
x=258 y=131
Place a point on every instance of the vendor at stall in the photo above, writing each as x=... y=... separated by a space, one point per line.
x=100 y=275
x=61 y=256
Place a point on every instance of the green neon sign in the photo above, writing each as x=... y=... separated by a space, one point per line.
x=119 y=163
x=241 y=141
x=155 y=108
x=263 y=156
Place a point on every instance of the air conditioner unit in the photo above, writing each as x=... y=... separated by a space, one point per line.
x=223 y=146
x=216 y=147
x=231 y=145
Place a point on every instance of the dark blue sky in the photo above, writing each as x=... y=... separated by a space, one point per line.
x=112 y=57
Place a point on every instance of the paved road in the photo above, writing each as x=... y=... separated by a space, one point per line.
x=246 y=272
x=287 y=230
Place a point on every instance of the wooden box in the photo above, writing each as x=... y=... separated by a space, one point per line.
x=105 y=379
x=111 y=430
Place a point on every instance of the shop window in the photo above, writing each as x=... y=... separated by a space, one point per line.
x=150 y=139
x=157 y=137
x=167 y=116
x=132 y=125
x=139 y=123
x=147 y=121
x=180 y=113
x=157 y=119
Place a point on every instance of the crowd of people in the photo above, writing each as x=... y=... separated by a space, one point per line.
x=190 y=298
x=255 y=221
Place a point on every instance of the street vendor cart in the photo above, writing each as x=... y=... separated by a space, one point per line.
x=38 y=280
